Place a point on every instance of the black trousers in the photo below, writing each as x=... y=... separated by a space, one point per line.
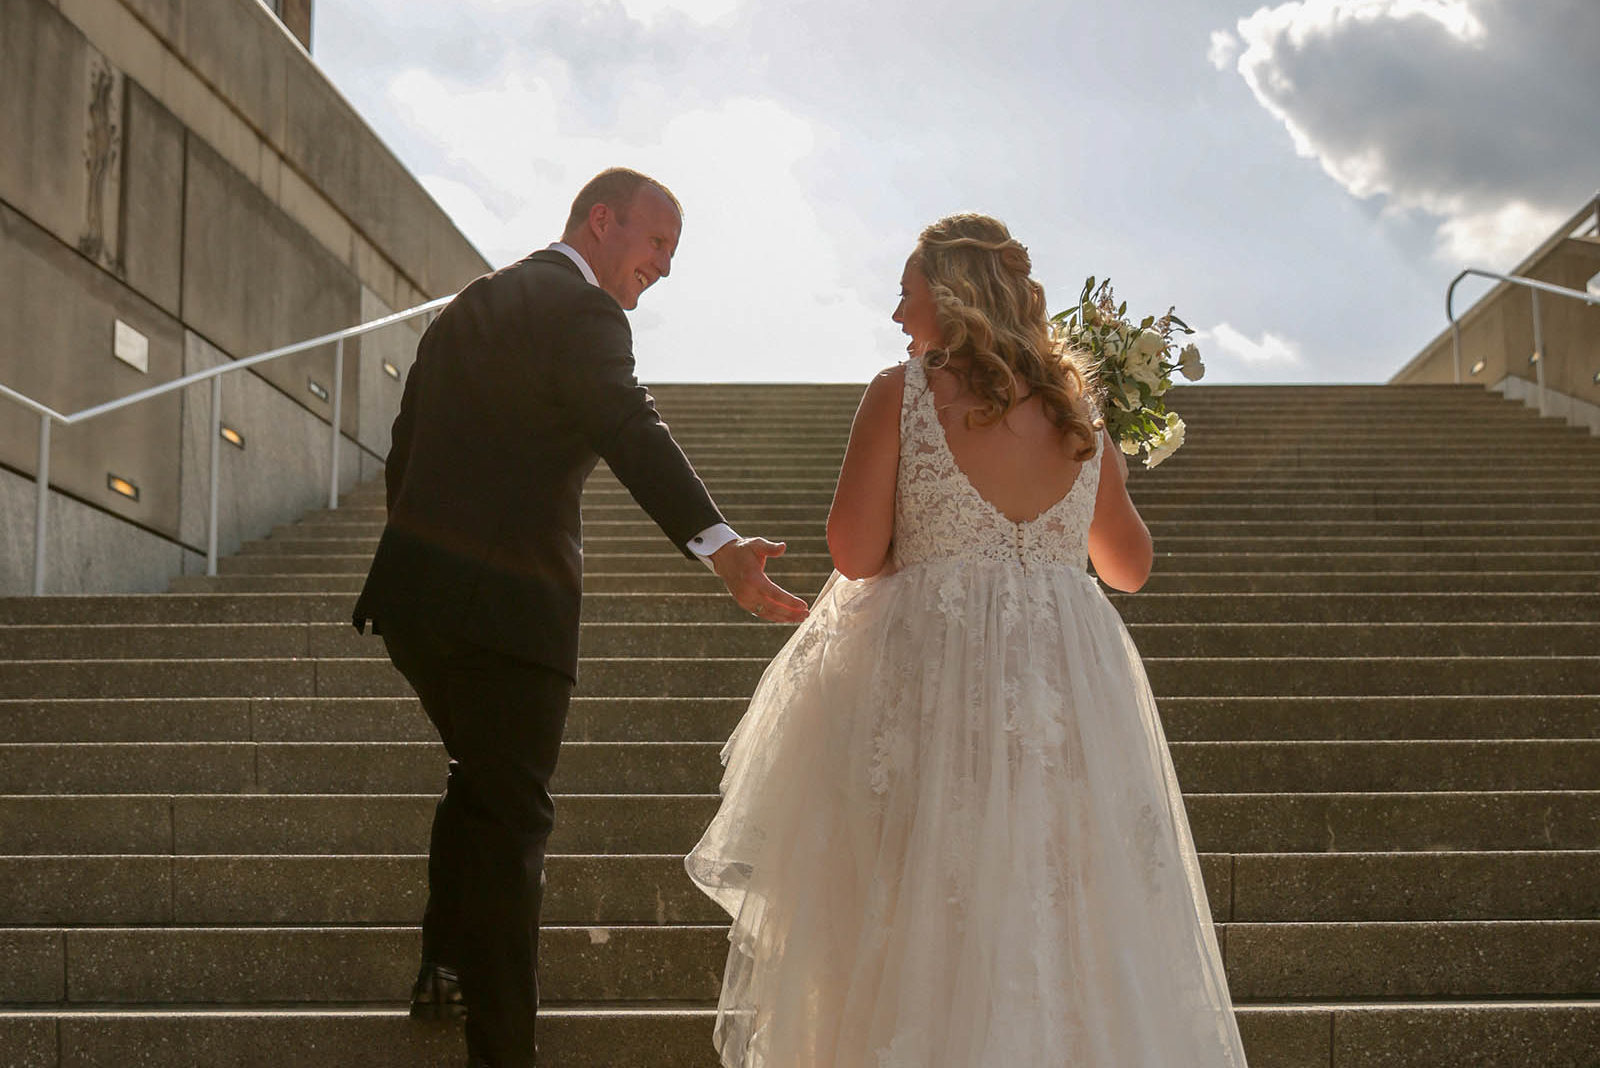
x=501 y=720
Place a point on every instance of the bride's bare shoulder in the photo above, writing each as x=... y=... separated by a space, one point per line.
x=884 y=393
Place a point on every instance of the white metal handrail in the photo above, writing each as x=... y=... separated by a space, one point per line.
x=48 y=415
x=1535 y=287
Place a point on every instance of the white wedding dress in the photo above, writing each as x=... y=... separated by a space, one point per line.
x=951 y=835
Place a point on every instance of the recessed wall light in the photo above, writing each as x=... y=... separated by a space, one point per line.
x=1533 y=359
x=121 y=485
x=318 y=390
x=1478 y=367
x=232 y=436
x=391 y=370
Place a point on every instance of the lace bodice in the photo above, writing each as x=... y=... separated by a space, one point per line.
x=939 y=514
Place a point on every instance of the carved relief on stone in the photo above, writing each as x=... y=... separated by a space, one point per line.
x=102 y=155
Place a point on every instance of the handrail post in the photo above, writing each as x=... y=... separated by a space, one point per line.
x=333 y=438
x=1538 y=351
x=216 y=476
x=1455 y=338
x=41 y=505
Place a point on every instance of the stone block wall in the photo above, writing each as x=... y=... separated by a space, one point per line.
x=183 y=167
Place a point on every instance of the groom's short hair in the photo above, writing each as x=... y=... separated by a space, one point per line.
x=616 y=187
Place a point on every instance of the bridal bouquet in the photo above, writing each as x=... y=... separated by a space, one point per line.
x=1135 y=366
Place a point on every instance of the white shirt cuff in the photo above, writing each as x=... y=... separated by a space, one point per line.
x=710 y=540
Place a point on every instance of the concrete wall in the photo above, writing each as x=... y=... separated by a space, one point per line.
x=182 y=166
x=1498 y=330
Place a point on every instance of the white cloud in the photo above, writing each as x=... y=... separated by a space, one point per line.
x=1224 y=49
x=1227 y=345
x=757 y=290
x=1499 y=237
x=700 y=11
x=1473 y=112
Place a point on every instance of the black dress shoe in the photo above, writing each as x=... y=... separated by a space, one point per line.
x=437 y=994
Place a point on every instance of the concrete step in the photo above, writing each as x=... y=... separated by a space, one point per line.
x=691 y=578
x=754 y=639
x=1376 y=608
x=1420 y=822
x=599 y=563
x=234 y=965
x=1232 y=526
x=1394 y=717
x=1176 y=677
x=1434 y=1034
x=693 y=767
x=1357 y=582
x=1462 y=440
x=731 y=676
x=723 y=478
x=652 y=889
x=200 y=607
x=711 y=719
x=598 y=499
x=167 y=824
x=815 y=515
x=309 y=965
x=657 y=546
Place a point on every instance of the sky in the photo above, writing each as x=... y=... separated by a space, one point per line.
x=1301 y=180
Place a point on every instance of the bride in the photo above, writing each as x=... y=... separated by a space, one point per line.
x=950 y=833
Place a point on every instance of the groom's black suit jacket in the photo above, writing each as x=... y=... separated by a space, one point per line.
x=520 y=385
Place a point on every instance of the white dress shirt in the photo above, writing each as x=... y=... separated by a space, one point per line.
x=713 y=537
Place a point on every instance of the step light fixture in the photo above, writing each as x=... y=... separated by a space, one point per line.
x=231 y=436
x=120 y=485
x=1478 y=367
x=318 y=390
x=391 y=370
x=1533 y=359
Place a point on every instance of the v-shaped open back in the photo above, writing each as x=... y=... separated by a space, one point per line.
x=939 y=512
x=944 y=436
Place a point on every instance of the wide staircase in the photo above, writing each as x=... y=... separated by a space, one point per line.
x=1372 y=628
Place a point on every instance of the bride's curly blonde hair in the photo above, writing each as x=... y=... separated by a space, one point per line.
x=993 y=321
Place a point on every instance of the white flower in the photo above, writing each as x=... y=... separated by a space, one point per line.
x=1145 y=368
x=1168 y=443
x=1148 y=343
x=1189 y=363
x=1129 y=446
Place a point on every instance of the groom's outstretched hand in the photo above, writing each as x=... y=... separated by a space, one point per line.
x=742 y=565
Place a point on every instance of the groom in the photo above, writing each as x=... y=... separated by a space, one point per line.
x=520 y=385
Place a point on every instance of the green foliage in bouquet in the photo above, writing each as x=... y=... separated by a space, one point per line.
x=1131 y=368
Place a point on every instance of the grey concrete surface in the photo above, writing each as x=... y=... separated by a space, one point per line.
x=378 y=395
x=56 y=328
x=44 y=111
x=152 y=253
x=89 y=550
x=254 y=280
x=282 y=471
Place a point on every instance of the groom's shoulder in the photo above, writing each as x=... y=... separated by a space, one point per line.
x=548 y=277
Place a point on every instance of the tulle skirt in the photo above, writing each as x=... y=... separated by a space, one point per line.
x=951 y=837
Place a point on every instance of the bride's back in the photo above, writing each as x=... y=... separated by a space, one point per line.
x=1021 y=465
